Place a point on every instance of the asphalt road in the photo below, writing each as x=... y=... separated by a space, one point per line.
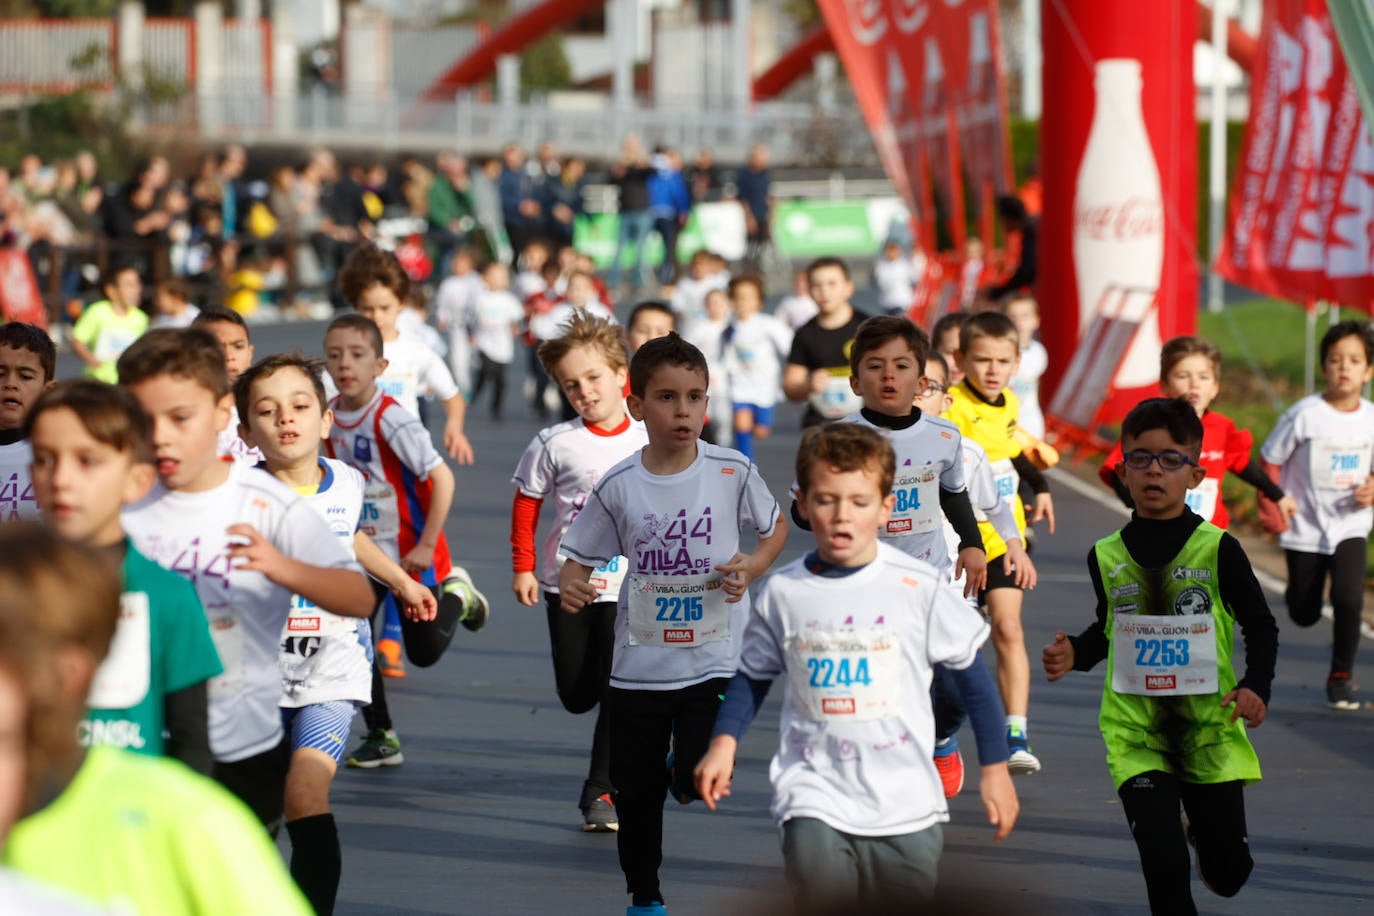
x=482 y=817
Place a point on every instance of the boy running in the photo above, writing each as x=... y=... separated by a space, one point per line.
x=1170 y=587
x=855 y=627
x=755 y=344
x=229 y=328
x=107 y=328
x=817 y=369
x=92 y=456
x=28 y=361
x=985 y=410
x=244 y=540
x=326 y=660
x=676 y=510
x=562 y=464
x=1321 y=448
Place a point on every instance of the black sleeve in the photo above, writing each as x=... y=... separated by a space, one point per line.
x=798 y=519
x=1243 y=597
x=188 y=734
x=1254 y=475
x=1030 y=474
x=959 y=511
x=1122 y=492
x=1090 y=646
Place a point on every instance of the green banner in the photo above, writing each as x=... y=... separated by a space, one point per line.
x=810 y=229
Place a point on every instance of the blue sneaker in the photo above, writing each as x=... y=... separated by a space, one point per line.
x=1021 y=759
x=652 y=909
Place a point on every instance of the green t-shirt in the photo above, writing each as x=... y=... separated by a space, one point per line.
x=149 y=835
x=107 y=334
x=162 y=645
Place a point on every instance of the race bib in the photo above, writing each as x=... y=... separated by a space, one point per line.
x=851 y=676
x=1202 y=499
x=836 y=399
x=680 y=612
x=122 y=679
x=1164 y=656
x=605 y=579
x=1340 y=465
x=917 y=509
x=112 y=343
x=381 y=520
x=227 y=634
x=1005 y=477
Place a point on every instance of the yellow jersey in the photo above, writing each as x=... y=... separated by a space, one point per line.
x=992 y=426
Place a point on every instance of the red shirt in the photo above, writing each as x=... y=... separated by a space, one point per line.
x=1224 y=448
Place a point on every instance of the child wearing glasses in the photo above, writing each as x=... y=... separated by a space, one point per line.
x=1190 y=368
x=1170 y=587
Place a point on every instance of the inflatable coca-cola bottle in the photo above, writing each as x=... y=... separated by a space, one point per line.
x=1118 y=227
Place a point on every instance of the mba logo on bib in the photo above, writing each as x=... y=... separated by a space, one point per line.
x=1193 y=601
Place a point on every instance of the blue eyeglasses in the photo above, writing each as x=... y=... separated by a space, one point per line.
x=1168 y=460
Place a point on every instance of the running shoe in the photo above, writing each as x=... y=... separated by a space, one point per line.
x=381 y=748
x=949 y=763
x=1021 y=759
x=390 y=658
x=476 y=608
x=651 y=909
x=1340 y=693
x=599 y=816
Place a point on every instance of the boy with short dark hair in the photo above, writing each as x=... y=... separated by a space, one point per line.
x=648 y=320
x=244 y=540
x=817 y=369
x=229 y=328
x=676 y=509
x=28 y=361
x=1170 y=588
x=106 y=328
x=856 y=628
x=172 y=304
x=985 y=409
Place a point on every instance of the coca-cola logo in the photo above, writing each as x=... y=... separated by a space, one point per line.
x=867 y=20
x=910 y=15
x=1126 y=220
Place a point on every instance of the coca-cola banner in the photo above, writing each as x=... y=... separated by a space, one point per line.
x=928 y=78
x=1303 y=201
x=1119 y=165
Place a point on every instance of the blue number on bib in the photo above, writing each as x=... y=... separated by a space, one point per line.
x=1345 y=462
x=908 y=500
x=1161 y=653
x=826 y=672
x=1005 y=486
x=668 y=609
x=612 y=565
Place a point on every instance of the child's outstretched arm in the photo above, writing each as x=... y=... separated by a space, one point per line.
x=340 y=591
x=744 y=568
x=1242 y=595
x=1057 y=657
x=524 y=524
x=421 y=556
x=455 y=440
x=1044 y=504
x=980 y=698
x=574 y=586
x=743 y=697
x=973 y=559
x=417 y=602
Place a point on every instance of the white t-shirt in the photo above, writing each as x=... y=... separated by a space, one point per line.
x=1324 y=454
x=494 y=317
x=1026 y=383
x=988 y=504
x=550 y=324
x=896 y=281
x=689 y=296
x=185 y=532
x=528 y=283
x=181 y=320
x=856 y=652
x=928 y=460
x=563 y=464
x=413 y=369
x=675 y=529
x=754 y=351
x=324 y=657
x=795 y=311
x=16 y=485
x=708 y=336
x=394 y=452
x=232 y=445
x=414 y=324
x=456 y=294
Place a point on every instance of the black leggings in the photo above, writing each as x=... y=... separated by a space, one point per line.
x=425 y=642
x=259 y=782
x=1307 y=574
x=495 y=373
x=582 y=645
x=1217 y=815
x=645 y=724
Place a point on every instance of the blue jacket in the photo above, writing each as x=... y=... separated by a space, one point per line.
x=668 y=194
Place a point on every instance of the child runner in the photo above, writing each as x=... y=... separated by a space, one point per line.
x=677 y=507
x=817 y=369
x=244 y=540
x=1321 y=447
x=755 y=346
x=151 y=836
x=326 y=660
x=172 y=302
x=28 y=361
x=648 y=321
x=376 y=284
x=495 y=319
x=707 y=333
x=107 y=328
x=855 y=627
x=229 y=328
x=1190 y=368
x=895 y=277
x=406 y=499
x=944 y=339
x=1170 y=588
x=1004 y=542
x=562 y=464
x=457 y=293
x=1024 y=312
x=797 y=307
x=92 y=456
x=986 y=411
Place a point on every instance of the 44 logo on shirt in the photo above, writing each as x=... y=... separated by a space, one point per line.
x=12 y=498
x=663 y=543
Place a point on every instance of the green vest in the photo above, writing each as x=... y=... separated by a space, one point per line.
x=1190 y=737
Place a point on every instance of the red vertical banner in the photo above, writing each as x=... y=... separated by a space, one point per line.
x=1302 y=207
x=20 y=298
x=1119 y=163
